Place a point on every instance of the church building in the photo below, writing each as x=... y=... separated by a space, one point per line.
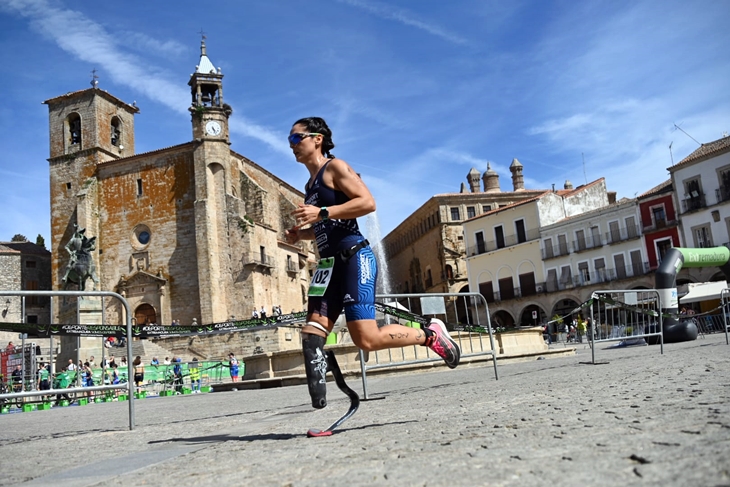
x=189 y=232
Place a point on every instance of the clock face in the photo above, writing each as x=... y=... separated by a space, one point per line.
x=213 y=128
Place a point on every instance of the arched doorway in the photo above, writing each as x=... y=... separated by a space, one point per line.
x=145 y=314
x=463 y=311
x=526 y=318
x=502 y=319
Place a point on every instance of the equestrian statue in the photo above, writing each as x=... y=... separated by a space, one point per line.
x=81 y=264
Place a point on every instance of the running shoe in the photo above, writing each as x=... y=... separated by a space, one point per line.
x=441 y=343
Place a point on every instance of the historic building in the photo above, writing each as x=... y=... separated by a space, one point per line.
x=702 y=191
x=561 y=245
x=426 y=252
x=659 y=222
x=192 y=231
x=24 y=266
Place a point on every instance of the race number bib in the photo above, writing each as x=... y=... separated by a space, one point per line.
x=322 y=276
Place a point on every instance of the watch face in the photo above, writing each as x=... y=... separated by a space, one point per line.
x=213 y=128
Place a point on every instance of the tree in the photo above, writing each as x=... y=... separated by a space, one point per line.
x=40 y=241
x=19 y=238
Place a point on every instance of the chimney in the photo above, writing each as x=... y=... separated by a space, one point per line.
x=491 y=180
x=473 y=180
x=518 y=181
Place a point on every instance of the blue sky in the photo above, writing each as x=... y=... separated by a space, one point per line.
x=416 y=93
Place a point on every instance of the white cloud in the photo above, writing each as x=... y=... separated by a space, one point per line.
x=150 y=45
x=87 y=40
x=405 y=17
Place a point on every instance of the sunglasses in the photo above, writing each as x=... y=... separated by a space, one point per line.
x=297 y=137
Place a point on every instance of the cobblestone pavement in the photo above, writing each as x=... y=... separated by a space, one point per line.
x=636 y=418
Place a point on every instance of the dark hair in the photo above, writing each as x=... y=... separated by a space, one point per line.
x=317 y=125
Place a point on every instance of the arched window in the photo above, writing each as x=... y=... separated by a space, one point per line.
x=116 y=131
x=449 y=273
x=74 y=129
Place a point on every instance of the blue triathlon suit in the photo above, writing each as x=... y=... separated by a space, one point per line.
x=353 y=280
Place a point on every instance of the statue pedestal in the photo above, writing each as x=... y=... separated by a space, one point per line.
x=75 y=348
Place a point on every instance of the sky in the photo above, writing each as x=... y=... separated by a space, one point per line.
x=416 y=93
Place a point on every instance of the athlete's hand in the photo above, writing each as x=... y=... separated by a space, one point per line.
x=292 y=235
x=306 y=214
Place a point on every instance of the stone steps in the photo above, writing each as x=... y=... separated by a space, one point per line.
x=147 y=349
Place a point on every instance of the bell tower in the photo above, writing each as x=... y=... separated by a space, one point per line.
x=210 y=114
x=87 y=128
x=213 y=180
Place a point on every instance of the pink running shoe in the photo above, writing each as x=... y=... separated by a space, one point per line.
x=441 y=343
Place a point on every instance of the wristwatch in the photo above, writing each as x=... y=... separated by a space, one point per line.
x=324 y=214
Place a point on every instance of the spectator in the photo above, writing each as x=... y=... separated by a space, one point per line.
x=62 y=381
x=87 y=378
x=177 y=374
x=91 y=361
x=155 y=361
x=263 y=313
x=44 y=382
x=71 y=366
x=138 y=373
x=124 y=361
x=88 y=375
x=112 y=362
x=166 y=361
x=10 y=348
x=109 y=342
x=195 y=322
x=233 y=365
x=113 y=374
x=194 y=375
x=277 y=311
x=17 y=378
x=254 y=314
x=43 y=378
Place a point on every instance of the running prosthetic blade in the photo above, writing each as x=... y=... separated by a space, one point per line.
x=333 y=367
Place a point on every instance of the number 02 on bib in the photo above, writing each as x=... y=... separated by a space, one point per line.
x=322 y=276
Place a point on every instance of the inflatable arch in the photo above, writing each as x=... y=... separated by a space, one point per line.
x=666 y=276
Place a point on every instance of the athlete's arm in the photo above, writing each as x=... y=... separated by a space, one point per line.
x=295 y=234
x=343 y=178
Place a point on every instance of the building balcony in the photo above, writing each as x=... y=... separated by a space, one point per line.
x=507 y=241
x=622 y=234
x=693 y=202
x=292 y=266
x=259 y=260
x=722 y=193
x=659 y=225
x=587 y=243
x=555 y=251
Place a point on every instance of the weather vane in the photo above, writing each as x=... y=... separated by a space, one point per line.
x=94 y=78
x=202 y=34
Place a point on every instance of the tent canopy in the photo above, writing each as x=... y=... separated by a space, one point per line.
x=703 y=291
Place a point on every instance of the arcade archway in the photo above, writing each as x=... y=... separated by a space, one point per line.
x=145 y=314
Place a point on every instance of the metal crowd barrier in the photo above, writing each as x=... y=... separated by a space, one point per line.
x=625 y=316
x=79 y=391
x=433 y=304
x=725 y=300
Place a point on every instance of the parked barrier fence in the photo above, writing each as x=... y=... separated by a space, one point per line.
x=725 y=300
x=469 y=310
x=59 y=330
x=625 y=316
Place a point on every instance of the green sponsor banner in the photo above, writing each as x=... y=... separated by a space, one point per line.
x=147 y=331
x=711 y=257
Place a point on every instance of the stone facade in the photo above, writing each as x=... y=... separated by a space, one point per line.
x=193 y=231
x=24 y=266
x=426 y=252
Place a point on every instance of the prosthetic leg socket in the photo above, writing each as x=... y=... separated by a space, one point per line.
x=315 y=363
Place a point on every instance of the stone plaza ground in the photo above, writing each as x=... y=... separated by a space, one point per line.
x=635 y=418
